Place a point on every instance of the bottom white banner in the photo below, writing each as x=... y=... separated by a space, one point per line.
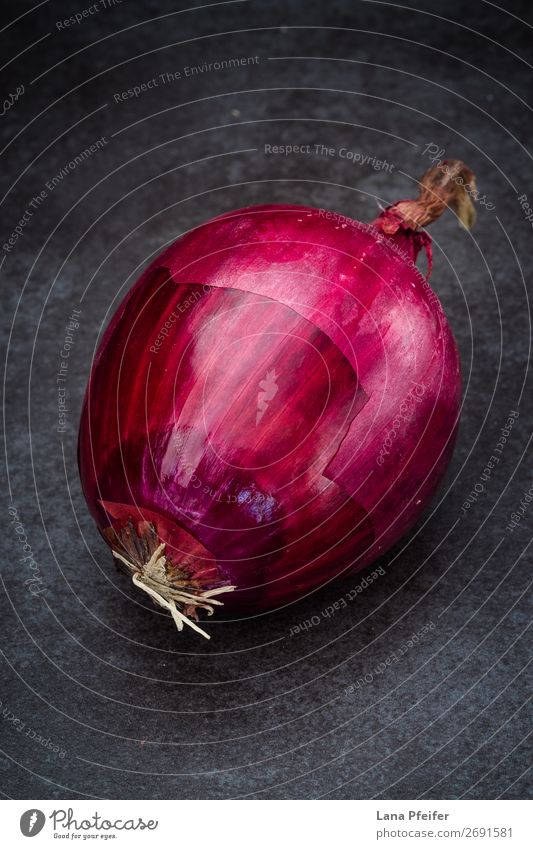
x=261 y=824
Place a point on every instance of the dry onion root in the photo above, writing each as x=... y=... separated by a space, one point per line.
x=152 y=579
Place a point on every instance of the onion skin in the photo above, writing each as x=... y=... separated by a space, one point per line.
x=295 y=418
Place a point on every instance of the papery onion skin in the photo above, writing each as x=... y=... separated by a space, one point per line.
x=277 y=396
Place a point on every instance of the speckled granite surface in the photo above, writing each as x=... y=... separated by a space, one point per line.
x=99 y=696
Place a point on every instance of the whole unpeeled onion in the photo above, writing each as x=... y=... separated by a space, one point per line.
x=273 y=403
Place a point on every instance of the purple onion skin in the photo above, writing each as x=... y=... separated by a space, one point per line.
x=295 y=415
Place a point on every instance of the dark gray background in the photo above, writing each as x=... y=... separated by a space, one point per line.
x=135 y=709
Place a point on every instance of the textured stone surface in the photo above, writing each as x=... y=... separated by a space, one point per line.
x=340 y=709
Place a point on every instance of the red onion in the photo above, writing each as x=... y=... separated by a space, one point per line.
x=274 y=402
